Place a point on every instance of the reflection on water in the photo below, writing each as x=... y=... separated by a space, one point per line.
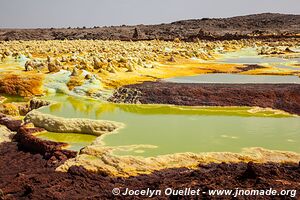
x=234 y=78
x=173 y=129
x=76 y=141
x=12 y=98
x=250 y=56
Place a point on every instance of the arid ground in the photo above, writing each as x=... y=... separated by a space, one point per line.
x=128 y=64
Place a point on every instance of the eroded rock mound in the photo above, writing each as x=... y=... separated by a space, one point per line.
x=38 y=103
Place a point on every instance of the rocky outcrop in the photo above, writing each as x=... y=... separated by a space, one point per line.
x=126 y=95
x=53 y=67
x=38 y=103
x=22 y=108
x=34 y=179
x=277 y=96
x=10 y=123
x=266 y=24
x=74 y=125
x=7 y=127
x=54 y=152
x=14 y=109
x=5 y=134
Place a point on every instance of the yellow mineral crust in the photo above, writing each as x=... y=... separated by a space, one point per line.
x=13 y=109
x=119 y=63
x=162 y=71
x=101 y=159
x=21 y=84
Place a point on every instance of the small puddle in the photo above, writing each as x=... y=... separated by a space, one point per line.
x=235 y=79
x=76 y=141
x=12 y=98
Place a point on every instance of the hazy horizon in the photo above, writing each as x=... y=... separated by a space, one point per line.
x=90 y=13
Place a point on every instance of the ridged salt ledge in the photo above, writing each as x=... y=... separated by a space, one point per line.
x=74 y=125
x=99 y=159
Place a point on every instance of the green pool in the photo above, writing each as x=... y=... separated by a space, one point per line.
x=76 y=141
x=12 y=98
x=161 y=129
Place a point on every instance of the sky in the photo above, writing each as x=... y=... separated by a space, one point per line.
x=89 y=13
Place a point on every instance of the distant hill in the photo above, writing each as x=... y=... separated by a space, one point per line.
x=262 y=25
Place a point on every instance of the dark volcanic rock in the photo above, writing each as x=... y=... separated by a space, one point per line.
x=250 y=67
x=11 y=124
x=278 y=96
x=27 y=176
x=38 y=103
x=52 y=151
x=258 y=25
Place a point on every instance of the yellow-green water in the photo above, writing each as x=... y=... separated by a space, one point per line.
x=161 y=129
x=76 y=141
x=12 y=98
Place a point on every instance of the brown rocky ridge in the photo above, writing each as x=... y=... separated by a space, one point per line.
x=258 y=25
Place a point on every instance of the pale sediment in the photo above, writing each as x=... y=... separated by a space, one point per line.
x=75 y=125
x=101 y=160
x=2 y=99
x=5 y=134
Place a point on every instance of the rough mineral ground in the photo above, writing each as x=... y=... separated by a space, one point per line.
x=90 y=68
x=25 y=176
x=21 y=84
x=70 y=61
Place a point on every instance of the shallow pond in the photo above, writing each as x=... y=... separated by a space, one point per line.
x=234 y=78
x=161 y=129
x=250 y=56
x=12 y=98
x=76 y=141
